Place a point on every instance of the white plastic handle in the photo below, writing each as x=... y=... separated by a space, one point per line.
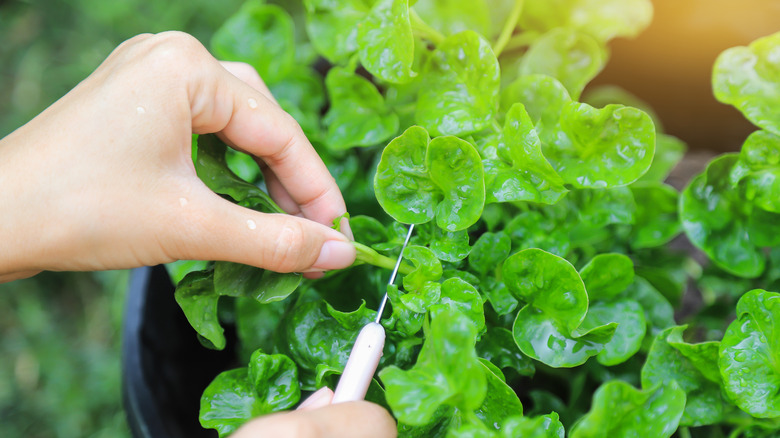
x=361 y=365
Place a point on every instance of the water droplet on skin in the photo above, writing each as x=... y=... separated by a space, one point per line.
x=140 y=110
x=183 y=201
x=252 y=103
x=251 y=224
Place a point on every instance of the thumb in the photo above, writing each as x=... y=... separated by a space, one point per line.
x=220 y=230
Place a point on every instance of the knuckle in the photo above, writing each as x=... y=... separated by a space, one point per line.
x=173 y=51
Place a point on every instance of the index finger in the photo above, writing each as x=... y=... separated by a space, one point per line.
x=220 y=102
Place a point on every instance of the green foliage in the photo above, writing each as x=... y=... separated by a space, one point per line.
x=541 y=267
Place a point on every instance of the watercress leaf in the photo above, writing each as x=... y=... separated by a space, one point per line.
x=549 y=283
x=543 y=426
x=269 y=384
x=599 y=148
x=521 y=172
x=402 y=185
x=716 y=220
x=602 y=19
x=312 y=334
x=607 y=275
x=542 y=337
x=572 y=57
x=630 y=331
x=498 y=346
x=669 y=151
x=386 y=43
x=358 y=115
x=261 y=35
x=749 y=354
x=659 y=313
x=619 y=409
x=421 y=299
x=404 y=320
x=211 y=167
x=758 y=170
x=498 y=294
x=238 y=280
x=180 y=268
x=456 y=169
x=459 y=92
x=665 y=270
x=302 y=94
x=333 y=26
x=256 y=325
x=329 y=376
x=703 y=356
x=447 y=372
x=489 y=252
x=450 y=246
x=599 y=96
x=460 y=295
x=367 y=230
x=656 y=219
x=532 y=229
x=544 y=98
x=427 y=267
x=600 y=207
x=453 y=16
x=198 y=300
x=664 y=364
x=749 y=79
x=500 y=402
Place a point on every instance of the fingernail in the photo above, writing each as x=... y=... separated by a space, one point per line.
x=335 y=254
x=318 y=399
x=345 y=228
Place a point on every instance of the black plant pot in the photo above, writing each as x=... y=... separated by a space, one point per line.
x=165 y=368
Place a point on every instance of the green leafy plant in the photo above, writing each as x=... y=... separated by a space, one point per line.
x=538 y=292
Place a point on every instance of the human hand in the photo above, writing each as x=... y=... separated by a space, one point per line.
x=317 y=418
x=103 y=179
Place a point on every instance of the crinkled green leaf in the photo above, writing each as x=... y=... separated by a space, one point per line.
x=358 y=115
x=256 y=324
x=489 y=252
x=237 y=280
x=458 y=294
x=269 y=384
x=450 y=246
x=758 y=170
x=598 y=148
x=453 y=16
x=427 y=267
x=659 y=313
x=447 y=372
x=498 y=346
x=547 y=329
x=402 y=184
x=665 y=363
x=532 y=229
x=198 y=300
x=603 y=19
x=544 y=98
x=601 y=207
x=333 y=26
x=665 y=270
x=314 y=333
x=456 y=169
x=599 y=96
x=367 y=230
x=260 y=35
x=459 y=93
x=409 y=313
x=211 y=167
x=521 y=172
x=498 y=294
x=669 y=151
x=630 y=331
x=301 y=93
x=500 y=402
x=656 y=219
x=607 y=275
x=718 y=221
x=386 y=43
x=572 y=57
x=543 y=426
x=620 y=410
x=749 y=79
x=750 y=355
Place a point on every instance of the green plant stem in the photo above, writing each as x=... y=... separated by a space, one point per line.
x=423 y=30
x=684 y=432
x=509 y=27
x=368 y=255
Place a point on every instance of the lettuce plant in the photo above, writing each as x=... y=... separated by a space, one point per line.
x=537 y=296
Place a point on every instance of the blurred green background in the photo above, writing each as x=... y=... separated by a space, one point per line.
x=59 y=332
